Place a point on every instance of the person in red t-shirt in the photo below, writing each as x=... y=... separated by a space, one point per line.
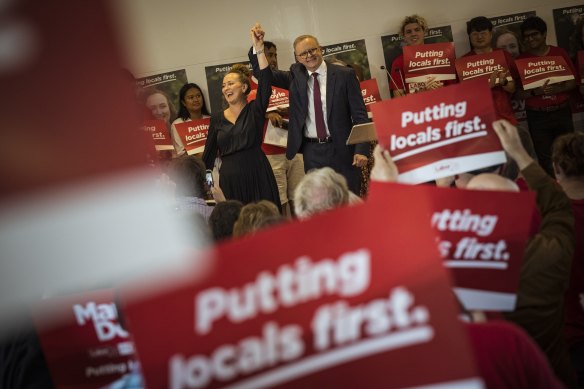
x=480 y=33
x=568 y=162
x=548 y=107
x=413 y=29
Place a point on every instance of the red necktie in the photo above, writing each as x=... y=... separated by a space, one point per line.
x=318 y=115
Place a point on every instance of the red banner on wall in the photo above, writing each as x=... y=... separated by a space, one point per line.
x=194 y=134
x=83 y=342
x=481 y=65
x=429 y=60
x=160 y=135
x=535 y=72
x=439 y=133
x=482 y=238
x=370 y=93
x=349 y=314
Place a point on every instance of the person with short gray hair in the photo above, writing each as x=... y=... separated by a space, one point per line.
x=320 y=190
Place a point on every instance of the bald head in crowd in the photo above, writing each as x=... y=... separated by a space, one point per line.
x=319 y=191
x=492 y=181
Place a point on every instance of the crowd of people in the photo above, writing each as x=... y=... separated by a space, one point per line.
x=541 y=343
x=317 y=171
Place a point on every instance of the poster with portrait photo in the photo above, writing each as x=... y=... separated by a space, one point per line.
x=507 y=32
x=569 y=23
x=353 y=54
x=507 y=36
x=215 y=74
x=160 y=94
x=392 y=44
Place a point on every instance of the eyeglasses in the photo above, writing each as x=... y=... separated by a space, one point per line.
x=531 y=35
x=312 y=52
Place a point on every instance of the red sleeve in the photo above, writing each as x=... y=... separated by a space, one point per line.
x=397 y=73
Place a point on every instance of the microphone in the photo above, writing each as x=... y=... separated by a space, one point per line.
x=390 y=77
x=401 y=76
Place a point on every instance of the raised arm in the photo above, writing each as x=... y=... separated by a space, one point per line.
x=280 y=78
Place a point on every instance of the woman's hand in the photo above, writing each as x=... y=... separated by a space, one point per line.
x=257 y=37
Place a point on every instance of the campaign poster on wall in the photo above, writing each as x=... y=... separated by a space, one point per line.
x=159 y=94
x=392 y=44
x=215 y=76
x=507 y=36
x=365 y=312
x=569 y=23
x=439 y=133
x=352 y=54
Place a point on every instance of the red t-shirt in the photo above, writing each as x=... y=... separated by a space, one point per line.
x=501 y=98
x=541 y=101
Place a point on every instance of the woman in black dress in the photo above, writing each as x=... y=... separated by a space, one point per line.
x=236 y=132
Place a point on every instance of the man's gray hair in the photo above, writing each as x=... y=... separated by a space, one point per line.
x=320 y=190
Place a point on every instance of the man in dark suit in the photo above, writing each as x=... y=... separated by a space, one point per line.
x=321 y=117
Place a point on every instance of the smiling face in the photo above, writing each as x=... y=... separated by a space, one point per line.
x=193 y=101
x=534 y=39
x=413 y=34
x=509 y=43
x=233 y=89
x=159 y=106
x=481 y=40
x=308 y=53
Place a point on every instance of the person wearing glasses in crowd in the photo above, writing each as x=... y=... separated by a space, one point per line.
x=548 y=106
x=325 y=103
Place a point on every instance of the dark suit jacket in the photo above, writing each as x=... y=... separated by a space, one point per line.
x=344 y=103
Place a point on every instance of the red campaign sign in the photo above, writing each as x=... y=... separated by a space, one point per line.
x=370 y=92
x=366 y=311
x=439 y=133
x=83 y=342
x=194 y=134
x=278 y=99
x=535 y=72
x=581 y=65
x=160 y=135
x=481 y=65
x=482 y=238
x=429 y=60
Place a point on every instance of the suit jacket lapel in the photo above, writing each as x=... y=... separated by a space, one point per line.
x=302 y=84
x=331 y=76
